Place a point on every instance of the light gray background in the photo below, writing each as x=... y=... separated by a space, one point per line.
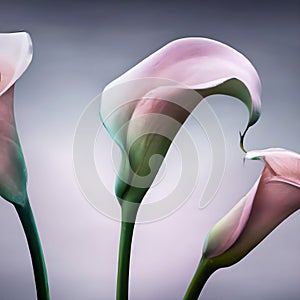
x=81 y=46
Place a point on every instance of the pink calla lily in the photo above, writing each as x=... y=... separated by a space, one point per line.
x=144 y=109
x=136 y=108
x=15 y=57
x=273 y=198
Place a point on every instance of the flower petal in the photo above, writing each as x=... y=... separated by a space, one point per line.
x=15 y=57
x=285 y=164
x=225 y=233
x=201 y=64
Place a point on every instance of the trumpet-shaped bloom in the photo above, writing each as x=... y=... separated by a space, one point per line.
x=144 y=108
x=15 y=56
x=274 y=197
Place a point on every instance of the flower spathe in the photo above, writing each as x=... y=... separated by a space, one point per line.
x=15 y=57
x=145 y=107
x=274 y=197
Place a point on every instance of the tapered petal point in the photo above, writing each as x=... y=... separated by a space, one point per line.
x=15 y=57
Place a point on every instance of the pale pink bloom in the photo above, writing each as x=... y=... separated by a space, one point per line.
x=274 y=197
x=145 y=107
x=15 y=56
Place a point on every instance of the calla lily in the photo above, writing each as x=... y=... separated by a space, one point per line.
x=273 y=198
x=15 y=57
x=144 y=109
x=170 y=83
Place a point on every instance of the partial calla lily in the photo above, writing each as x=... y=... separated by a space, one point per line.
x=144 y=109
x=15 y=57
x=274 y=197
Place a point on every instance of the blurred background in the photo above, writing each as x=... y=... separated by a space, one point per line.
x=79 y=47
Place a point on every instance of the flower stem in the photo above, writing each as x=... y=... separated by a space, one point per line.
x=35 y=248
x=125 y=252
x=203 y=272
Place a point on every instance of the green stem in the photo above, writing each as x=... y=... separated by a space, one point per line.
x=125 y=252
x=203 y=272
x=36 y=252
